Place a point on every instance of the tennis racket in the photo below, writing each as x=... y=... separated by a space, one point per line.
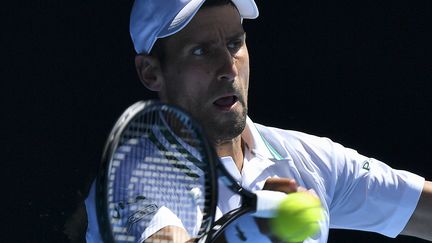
x=158 y=169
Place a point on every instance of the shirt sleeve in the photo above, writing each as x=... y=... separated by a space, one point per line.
x=369 y=195
x=92 y=233
x=361 y=193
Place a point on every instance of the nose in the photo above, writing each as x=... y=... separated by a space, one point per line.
x=227 y=69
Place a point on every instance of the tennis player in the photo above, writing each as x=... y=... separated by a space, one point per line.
x=193 y=53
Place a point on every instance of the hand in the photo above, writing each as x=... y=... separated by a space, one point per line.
x=282 y=185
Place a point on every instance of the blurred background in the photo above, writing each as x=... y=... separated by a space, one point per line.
x=358 y=72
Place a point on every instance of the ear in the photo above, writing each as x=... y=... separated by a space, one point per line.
x=149 y=71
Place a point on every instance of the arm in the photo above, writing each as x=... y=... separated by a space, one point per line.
x=165 y=226
x=170 y=234
x=420 y=223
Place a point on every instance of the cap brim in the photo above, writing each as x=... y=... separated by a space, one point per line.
x=182 y=18
x=247 y=8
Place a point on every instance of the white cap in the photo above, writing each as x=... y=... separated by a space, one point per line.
x=153 y=19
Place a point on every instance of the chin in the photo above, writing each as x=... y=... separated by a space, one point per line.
x=221 y=130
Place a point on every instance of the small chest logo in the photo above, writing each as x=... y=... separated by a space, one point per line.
x=240 y=234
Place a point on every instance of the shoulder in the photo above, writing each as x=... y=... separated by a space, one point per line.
x=296 y=141
x=285 y=134
x=309 y=153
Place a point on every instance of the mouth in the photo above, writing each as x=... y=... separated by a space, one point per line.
x=226 y=103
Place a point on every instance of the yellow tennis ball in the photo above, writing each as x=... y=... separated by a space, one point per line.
x=297 y=217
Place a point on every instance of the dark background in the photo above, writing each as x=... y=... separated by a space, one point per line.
x=358 y=72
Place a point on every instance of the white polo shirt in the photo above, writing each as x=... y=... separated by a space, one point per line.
x=357 y=192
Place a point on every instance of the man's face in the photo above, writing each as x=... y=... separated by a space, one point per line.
x=206 y=71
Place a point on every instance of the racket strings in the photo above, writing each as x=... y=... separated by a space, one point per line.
x=152 y=169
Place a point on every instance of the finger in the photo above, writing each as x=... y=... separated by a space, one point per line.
x=281 y=184
x=302 y=189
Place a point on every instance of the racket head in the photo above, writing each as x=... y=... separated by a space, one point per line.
x=156 y=156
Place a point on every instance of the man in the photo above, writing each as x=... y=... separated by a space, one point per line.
x=194 y=55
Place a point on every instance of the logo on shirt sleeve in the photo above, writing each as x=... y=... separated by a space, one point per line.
x=366 y=164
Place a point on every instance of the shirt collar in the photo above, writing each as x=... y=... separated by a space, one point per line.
x=254 y=141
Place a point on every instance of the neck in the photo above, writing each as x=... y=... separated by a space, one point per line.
x=233 y=148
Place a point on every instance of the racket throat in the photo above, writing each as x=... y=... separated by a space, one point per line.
x=221 y=224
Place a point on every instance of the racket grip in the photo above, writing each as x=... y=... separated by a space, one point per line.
x=267 y=203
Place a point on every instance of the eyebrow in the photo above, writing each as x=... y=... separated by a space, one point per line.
x=241 y=34
x=192 y=41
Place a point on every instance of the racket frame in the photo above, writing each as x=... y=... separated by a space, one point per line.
x=109 y=150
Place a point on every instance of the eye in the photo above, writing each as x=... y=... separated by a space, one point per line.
x=235 y=45
x=199 y=51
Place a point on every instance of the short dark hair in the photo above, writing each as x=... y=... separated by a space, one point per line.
x=158 y=50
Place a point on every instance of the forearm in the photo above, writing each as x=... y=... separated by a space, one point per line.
x=170 y=234
x=420 y=224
